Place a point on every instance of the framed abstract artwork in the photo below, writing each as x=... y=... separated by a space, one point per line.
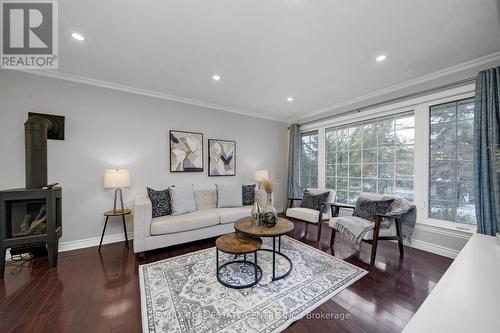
x=221 y=157
x=186 y=151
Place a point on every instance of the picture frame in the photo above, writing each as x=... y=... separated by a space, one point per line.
x=186 y=151
x=221 y=158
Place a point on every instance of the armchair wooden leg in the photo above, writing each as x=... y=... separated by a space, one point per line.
x=305 y=234
x=320 y=224
x=375 y=243
x=332 y=237
x=400 y=237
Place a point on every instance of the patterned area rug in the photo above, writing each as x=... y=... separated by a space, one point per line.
x=182 y=294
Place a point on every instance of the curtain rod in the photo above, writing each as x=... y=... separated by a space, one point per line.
x=405 y=97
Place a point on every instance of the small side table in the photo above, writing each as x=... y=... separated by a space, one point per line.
x=111 y=213
x=238 y=244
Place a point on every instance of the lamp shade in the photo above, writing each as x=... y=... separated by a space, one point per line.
x=261 y=175
x=116 y=178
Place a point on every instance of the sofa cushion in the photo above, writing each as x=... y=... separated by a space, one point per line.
x=160 y=202
x=229 y=215
x=229 y=196
x=305 y=214
x=248 y=194
x=205 y=199
x=182 y=200
x=190 y=221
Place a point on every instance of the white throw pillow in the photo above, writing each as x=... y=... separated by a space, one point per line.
x=229 y=196
x=182 y=200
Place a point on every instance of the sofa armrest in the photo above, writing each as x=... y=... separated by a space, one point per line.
x=142 y=221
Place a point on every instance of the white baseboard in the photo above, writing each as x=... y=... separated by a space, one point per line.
x=434 y=248
x=88 y=242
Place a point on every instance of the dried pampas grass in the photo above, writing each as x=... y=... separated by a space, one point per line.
x=268 y=185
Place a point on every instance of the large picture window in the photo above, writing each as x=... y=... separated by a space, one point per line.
x=371 y=156
x=451 y=191
x=309 y=160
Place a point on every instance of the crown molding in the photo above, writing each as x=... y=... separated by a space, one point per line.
x=149 y=93
x=407 y=84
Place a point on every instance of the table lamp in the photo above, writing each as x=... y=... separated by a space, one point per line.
x=117 y=179
x=261 y=175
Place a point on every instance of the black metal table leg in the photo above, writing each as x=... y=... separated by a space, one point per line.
x=125 y=230
x=255 y=261
x=256 y=267
x=273 y=250
x=217 y=261
x=274 y=257
x=103 y=230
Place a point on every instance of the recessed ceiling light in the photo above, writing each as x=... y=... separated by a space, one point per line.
x=381 y=58
x=216 y=77
x=77 y=36
x=289 y=99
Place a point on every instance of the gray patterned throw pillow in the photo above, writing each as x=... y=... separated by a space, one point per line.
x=367 y=208
x=160 y=202
x=248 y=194
x=313 y=201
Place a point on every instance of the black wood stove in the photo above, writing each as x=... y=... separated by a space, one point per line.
x=31 y=217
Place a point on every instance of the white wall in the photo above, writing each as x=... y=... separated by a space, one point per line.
x=107 y=129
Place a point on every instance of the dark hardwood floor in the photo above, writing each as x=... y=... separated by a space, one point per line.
x=89 y=292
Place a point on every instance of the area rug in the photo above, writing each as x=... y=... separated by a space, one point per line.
x=182 y=294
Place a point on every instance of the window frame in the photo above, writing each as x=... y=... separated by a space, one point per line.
x=372 y=121
x=421 y=108
x=302 y=134
x=429 y=220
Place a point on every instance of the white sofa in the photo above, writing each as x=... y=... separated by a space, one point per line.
x=207 y=221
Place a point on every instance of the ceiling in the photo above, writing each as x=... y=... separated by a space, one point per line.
x=320 y=52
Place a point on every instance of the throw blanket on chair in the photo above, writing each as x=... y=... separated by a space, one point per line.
x=353 y=228
x=408 y=219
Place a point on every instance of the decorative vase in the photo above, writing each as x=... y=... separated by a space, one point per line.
x=256 y=211
x=269 y=215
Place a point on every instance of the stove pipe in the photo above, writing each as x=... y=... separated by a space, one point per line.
x=35 y=140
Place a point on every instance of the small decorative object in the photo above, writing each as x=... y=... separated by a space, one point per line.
x=117 y=179
x=221 y=158
x=186 y=151
x=268 y=216
x=256 y=211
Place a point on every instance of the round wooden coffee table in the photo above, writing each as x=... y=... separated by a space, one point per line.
x=238 y=244
x=283 y=226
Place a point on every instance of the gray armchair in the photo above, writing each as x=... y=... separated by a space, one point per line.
x=389 y=230
x=310 y=216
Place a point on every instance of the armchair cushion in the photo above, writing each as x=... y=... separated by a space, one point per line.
x=313 y=201
x=331 y=195
x=368 y=209
x=304 y=214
